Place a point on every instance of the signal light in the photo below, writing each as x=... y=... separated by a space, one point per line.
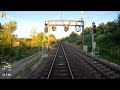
x=54 y=28
x=46 y=28
x=66 y=27
x=94 y=27
x=77 y=28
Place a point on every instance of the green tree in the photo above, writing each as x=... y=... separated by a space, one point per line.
x=73 y=37
x=7 y=39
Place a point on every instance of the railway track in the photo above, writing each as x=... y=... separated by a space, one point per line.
x=59 y=67
x=106 y=71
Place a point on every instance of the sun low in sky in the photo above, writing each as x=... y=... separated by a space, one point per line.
x=28 y=20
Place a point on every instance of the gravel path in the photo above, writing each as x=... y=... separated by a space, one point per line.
x=19 y=66
x=37 y=69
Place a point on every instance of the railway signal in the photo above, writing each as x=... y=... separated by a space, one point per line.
x=65 y=23
x=54 y=28
x=77 y=28
x=93 y=43
x=82 y=25
x=66 y=28
x=46 y=27
x=94 y=27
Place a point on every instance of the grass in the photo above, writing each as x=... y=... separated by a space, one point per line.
x=74 y=45
x=104 y=57
x=18 y=55
x=26 y=68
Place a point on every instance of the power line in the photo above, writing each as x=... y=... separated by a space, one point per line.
x=105 y=17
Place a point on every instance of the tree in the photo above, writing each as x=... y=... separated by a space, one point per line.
x=107 y=38
x=73 y=37
x=6 y=34
x=101 y=29
x=118 y=20
x=11 y=26
x=87 y=30
x=7 y=39
x=52 y=38
x=33 y=33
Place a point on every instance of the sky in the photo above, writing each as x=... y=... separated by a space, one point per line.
x=29 y=20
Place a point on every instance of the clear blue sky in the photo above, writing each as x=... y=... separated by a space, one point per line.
x=26 y=20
